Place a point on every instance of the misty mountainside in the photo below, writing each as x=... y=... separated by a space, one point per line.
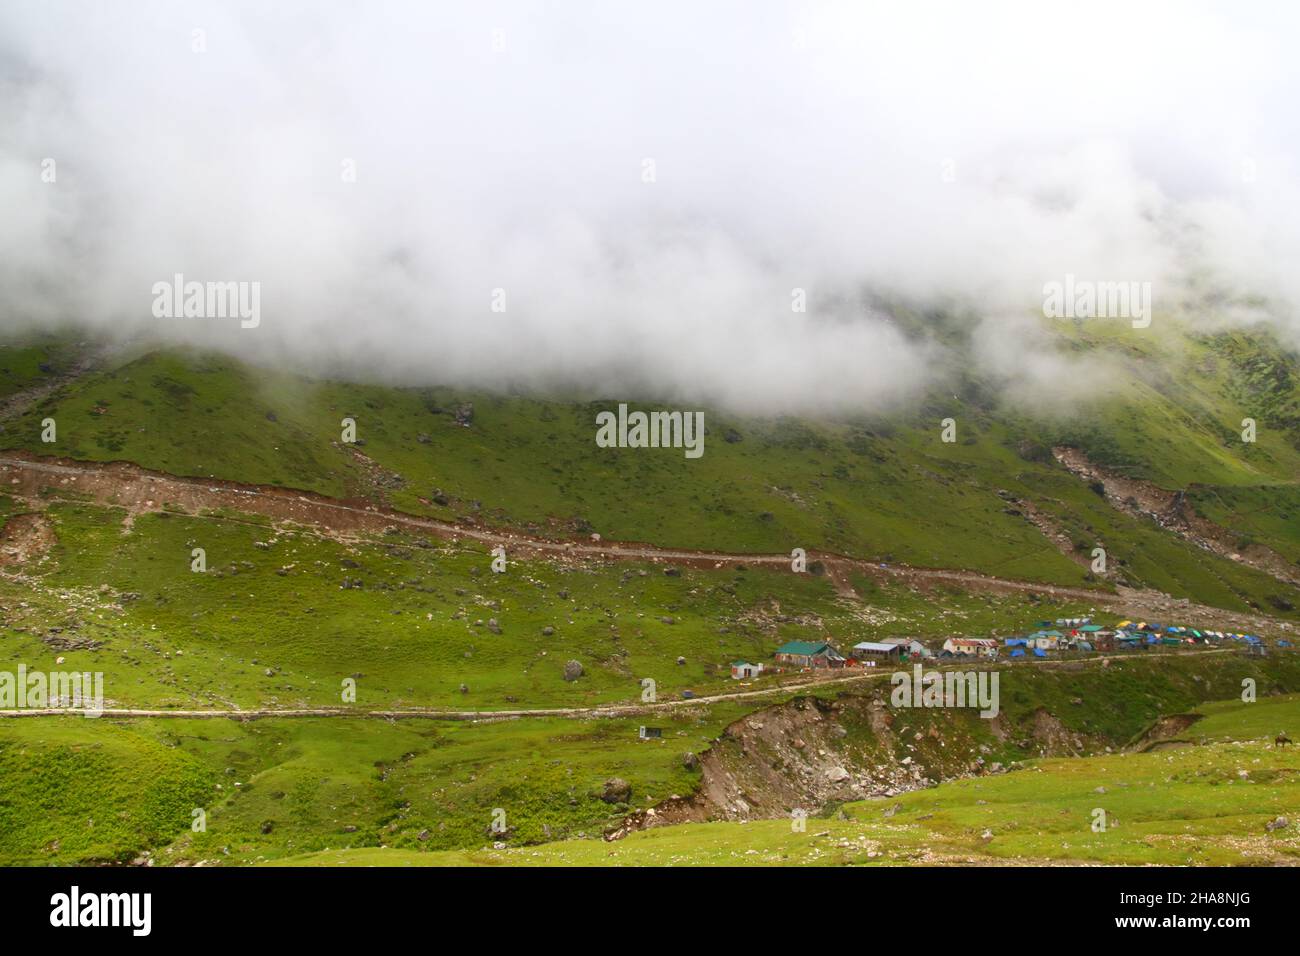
x=1161 y=408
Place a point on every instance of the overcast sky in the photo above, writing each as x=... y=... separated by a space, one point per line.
x=958 y=154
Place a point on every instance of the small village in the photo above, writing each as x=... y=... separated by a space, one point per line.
x=1064 y=637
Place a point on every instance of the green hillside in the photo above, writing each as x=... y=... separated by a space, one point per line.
x=1173 y=810
x=275 y=789
x=420 y=617
x=285 y=613
x=882 y=488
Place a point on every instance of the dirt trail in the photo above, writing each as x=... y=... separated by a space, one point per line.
x=600 y=712
x=139 y=490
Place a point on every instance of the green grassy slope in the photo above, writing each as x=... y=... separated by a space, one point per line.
x=36 y=360
x=1203 y=805
x=275 y=787
x=79 y=790
x=1262 y=719
x=280 y=788
x=270 y=625
x=419 y=623
x=884 y=489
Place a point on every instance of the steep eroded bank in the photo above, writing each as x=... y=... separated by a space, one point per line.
x=812 y=753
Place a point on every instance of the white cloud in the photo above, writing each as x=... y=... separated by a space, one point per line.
x=796 y=145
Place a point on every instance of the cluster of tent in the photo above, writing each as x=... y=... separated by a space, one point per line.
x=1177 y=634
x=1020 y=651
x=1038 y=643
x=1083 y=634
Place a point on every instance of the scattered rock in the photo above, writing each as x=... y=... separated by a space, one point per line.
x=572 y=670
x=617 y=790
x=67 y=642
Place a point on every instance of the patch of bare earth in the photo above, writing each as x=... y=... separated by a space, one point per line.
x=25 y=540
x=1160 y=735
x=1045 y=524
x=809 y=753
x=379 y=481
x=1171 y=511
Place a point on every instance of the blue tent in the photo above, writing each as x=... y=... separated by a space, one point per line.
x=1018 y=653
x=1039 y=652
x=1015 y=642
x=1084 y=646
x=1283 y=643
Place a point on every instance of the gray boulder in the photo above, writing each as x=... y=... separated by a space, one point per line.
x=617 y=790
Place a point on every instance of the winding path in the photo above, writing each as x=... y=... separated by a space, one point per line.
x=139 y=490
x=600 y=712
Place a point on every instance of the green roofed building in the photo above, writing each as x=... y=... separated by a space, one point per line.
x=809 y=654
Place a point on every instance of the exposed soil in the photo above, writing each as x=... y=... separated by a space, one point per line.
x=1171 y=511
x=1160 y=734
x=24 y=541
x=1045 y=525
x=809 y=753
